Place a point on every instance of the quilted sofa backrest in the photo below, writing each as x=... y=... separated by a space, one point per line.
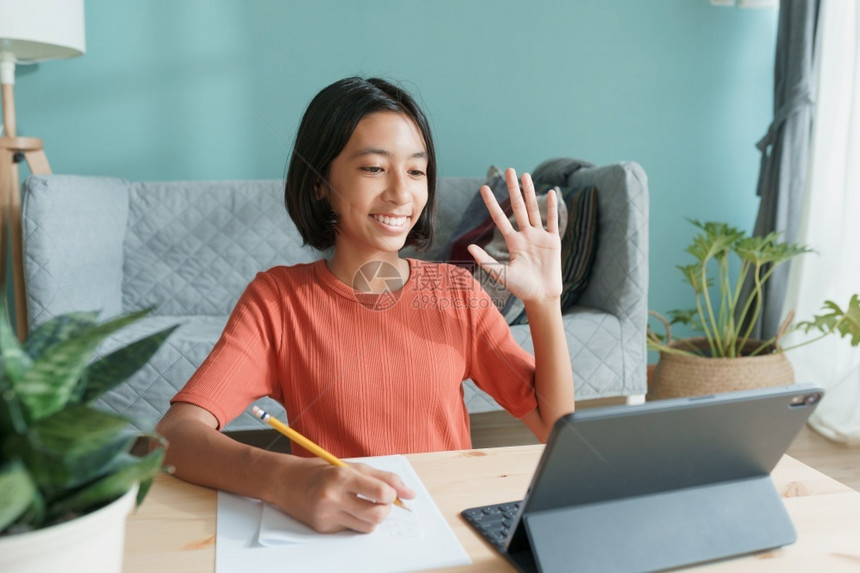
x=73 y=228
x=191 y=247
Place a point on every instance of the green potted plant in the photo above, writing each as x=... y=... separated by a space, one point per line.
x=724 y=356
x=67 y=474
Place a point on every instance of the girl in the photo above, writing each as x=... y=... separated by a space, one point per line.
x=366 y=350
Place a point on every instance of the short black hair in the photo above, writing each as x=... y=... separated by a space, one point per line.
x=326 y=127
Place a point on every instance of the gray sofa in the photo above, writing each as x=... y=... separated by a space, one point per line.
x=188 y=249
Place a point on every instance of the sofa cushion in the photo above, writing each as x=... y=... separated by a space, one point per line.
x=487 y=235
x=512 y=308
x=192 y=247
x=578 y=227
x=73 y=229
x=579 y=242
x=475 y=212
x=476 y=225
x=453 y=195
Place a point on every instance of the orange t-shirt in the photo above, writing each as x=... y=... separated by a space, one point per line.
x=364 y=374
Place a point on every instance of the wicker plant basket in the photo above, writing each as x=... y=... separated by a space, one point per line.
x=676 y=375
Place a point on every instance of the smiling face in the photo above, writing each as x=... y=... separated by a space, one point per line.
x=377 y=187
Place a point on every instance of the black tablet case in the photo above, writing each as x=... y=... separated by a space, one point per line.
x=661 y=485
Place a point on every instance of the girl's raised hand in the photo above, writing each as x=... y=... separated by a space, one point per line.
x=533 y=273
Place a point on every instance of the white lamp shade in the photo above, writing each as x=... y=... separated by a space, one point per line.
x=38 y=30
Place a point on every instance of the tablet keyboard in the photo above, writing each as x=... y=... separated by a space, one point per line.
x=493 y=522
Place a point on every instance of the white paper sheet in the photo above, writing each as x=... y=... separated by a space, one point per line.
x=251 y=533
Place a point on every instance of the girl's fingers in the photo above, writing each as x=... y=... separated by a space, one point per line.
x=531 y=201
x=370 y=500
x=523 y=202
x=481 y=256
x=369 y=483
x=362 y=515
x=391 y=479
x=496 y=212
x=486 y=262
x=518 y=204
x=552 y=212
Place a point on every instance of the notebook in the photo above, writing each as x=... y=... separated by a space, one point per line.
x=253 y=536
x=655 y=486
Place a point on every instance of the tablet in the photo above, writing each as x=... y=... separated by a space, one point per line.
x=655 y=486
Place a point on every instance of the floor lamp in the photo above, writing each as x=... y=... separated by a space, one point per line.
x=31 y=31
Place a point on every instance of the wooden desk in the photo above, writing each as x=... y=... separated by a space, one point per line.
x=174 y=530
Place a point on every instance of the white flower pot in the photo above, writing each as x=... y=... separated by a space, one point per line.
x=92 y=543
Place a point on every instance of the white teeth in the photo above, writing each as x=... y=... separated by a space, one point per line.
x=391 y=221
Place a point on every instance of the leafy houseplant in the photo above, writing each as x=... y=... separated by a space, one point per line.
x=726 y=313
x=60 y=458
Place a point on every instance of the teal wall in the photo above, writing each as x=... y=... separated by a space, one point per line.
x=214 y=89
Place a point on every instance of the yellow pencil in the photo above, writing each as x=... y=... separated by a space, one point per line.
x=306 y=443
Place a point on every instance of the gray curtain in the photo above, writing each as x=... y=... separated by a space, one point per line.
x=785 y=147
